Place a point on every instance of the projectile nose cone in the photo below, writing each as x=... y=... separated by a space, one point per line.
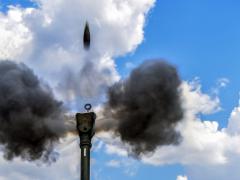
x=86 y=37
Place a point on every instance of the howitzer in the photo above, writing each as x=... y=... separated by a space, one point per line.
x=85 y=127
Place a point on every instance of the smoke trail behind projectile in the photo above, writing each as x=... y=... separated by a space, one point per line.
x=31 y=120
x=145 y=108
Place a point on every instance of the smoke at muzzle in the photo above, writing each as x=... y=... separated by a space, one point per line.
x=145 y=108
x=31 y=120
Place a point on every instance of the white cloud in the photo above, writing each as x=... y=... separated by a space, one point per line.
x=202 y=142
x=113 y=163
x=130 y=65
x=128 y=166
x=113 y=144
x=206 y=151
x=67 y=166
x=182 y=177
x=49 y=39
x=195 y=101
x=234 y=122
x=223 y=82
x=14 y=35
x=229 y=169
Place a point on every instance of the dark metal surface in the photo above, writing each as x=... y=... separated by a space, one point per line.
x=88 y=107
x=86 y=37
x=85 y=162
x=85 y=127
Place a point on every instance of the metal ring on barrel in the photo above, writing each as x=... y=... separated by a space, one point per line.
x=88 y=107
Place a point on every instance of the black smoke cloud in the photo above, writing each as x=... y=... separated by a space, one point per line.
x=145 y=108
x=31 y=120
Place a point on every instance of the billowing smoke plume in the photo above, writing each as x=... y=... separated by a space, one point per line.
x=145 y=108
x=30 y=118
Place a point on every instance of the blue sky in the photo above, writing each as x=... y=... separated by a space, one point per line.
x=202 y=39
x=22 y=3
